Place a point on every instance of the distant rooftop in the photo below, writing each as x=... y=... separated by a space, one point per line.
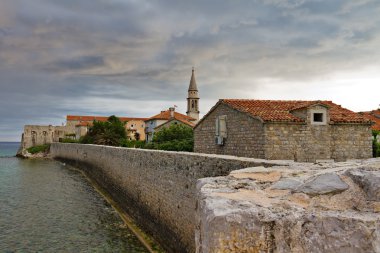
x=166 y=115
x=98 y=118
x=374 y=116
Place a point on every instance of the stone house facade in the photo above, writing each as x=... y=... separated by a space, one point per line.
x=304 y=131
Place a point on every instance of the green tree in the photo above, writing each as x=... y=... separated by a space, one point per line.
x=175 y=138
x=110 y=133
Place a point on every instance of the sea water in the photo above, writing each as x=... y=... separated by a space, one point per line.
x=47 y=207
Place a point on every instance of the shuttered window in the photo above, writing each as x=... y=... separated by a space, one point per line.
x=221 y=126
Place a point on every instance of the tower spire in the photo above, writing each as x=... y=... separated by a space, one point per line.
x=193 y=98
x=193 y=83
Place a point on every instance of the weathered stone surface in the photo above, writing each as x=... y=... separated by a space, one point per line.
x=257 y=220
x=323 y=184
x=368 y=180
x=256 y=174
x=286 y=184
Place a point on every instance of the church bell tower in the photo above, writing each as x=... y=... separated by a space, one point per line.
x=193 y=99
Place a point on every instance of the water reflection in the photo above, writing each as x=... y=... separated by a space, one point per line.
x=46 y=207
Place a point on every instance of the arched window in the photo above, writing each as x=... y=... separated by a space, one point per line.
x=34 y=136
x=45 y=136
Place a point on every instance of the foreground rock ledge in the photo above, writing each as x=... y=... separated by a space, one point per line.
x=299 y=208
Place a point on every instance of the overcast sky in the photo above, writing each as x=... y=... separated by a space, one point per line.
x=134 y=57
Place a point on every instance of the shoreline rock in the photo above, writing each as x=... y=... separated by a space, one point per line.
x=24 y=154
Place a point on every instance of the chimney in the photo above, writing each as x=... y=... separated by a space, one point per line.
x=171 y=109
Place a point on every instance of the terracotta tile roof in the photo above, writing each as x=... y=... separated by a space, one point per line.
x=190 y=124
x=98 y=118
x=165 y=115
x=280 y=110
x=374 y=116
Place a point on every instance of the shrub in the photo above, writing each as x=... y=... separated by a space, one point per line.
x=173 y=138
x=68 y=140
x=133 y=144
x=111 y=132
x=39 y=149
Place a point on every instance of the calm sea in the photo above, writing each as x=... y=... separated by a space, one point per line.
x=47 y=207
x=8 y=149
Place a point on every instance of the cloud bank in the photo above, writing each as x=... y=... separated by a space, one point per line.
x=134 y=58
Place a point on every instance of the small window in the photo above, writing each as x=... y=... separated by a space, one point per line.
x=318 y=117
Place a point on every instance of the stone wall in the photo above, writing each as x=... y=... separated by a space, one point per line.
x=351 y=141
x=157 y=188
x=245 y=135
x=308 y=143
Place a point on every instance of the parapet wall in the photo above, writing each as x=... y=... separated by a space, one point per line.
x=157 y=188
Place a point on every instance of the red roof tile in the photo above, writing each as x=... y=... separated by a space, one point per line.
x=374 y=116
x=166 y=116
x=188 y=123
x=280 y=110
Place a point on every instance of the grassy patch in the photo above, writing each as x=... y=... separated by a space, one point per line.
x=38 y=149
x=68 y=140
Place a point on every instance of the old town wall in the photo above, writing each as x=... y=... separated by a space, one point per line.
x=157 y=188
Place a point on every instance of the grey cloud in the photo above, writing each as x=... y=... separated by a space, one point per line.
x=59 y=57
x=80 y=63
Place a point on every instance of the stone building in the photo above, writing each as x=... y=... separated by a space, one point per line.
x=135 y=127
x=35 y=135
x=288 y=130
x=165 y=119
